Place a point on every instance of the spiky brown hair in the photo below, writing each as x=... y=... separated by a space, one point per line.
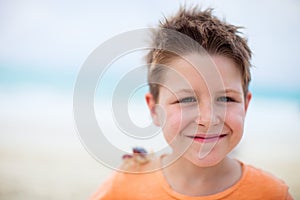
x=217 y=37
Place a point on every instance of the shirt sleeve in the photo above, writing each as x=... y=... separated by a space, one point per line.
x=105 y=191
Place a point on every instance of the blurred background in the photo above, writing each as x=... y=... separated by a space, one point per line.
x=43 y=46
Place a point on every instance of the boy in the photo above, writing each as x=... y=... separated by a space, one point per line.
x=199 y=97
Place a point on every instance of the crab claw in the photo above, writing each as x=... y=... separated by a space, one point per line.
x=125 y=156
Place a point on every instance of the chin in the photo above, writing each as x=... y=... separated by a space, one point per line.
x=207 y=163
x=208 y=160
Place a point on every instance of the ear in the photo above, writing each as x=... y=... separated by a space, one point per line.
x=247 y=100
x=152 y=108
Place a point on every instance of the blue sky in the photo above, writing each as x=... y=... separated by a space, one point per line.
x=55 y=37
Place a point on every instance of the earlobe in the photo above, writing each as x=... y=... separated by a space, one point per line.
x=152 y=108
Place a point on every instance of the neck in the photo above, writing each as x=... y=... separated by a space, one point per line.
x=211 y=179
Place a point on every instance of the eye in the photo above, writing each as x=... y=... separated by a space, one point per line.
x=187 y=100
x=225 y=99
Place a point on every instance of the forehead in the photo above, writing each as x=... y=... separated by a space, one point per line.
x=200 y=72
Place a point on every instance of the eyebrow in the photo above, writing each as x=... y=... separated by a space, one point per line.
x=189 y=91
x=184 y=91
x=229 y=91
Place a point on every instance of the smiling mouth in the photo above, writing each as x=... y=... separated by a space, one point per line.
x=207 y=138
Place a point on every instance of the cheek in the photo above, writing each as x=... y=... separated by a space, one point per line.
x=172 y=124
x=179 y=120
x=235 y=120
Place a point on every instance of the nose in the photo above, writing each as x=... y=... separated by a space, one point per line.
x=207 y=115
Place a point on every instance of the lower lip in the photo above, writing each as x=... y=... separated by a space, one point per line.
x=207 y=140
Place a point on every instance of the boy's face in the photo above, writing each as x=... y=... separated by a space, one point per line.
x=202 y=117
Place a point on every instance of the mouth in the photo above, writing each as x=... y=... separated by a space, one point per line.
x=205 y=138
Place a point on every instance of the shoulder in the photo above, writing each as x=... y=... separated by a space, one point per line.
x=254 y=174
x=135 y=174
x=264 y=183
x=105 y=191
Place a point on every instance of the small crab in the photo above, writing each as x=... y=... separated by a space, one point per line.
x=139 y=155
x=139 y=150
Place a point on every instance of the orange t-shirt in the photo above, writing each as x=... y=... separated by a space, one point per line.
x=254 y=184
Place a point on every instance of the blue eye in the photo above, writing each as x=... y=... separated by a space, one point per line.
x=225 y=99
x=187 y=100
